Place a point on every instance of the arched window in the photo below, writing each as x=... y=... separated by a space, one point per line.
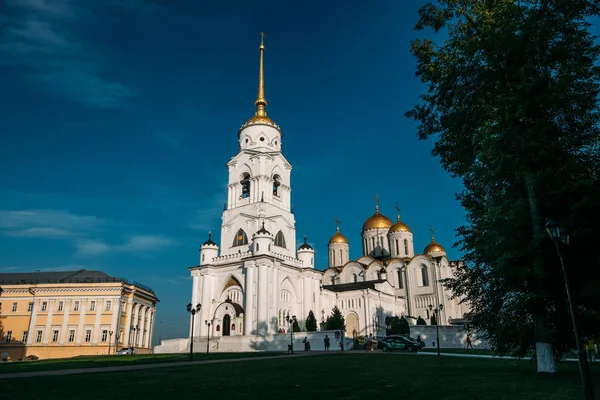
x=400 y=282
x=405 y=247
x=245 y=182
x=341 y=257
x=424 y=276
x=240 y=238
x=397 y=248
x=276 y=184
x=257 y=248
x=202 y=257
x=355 y=277
x=279 y=239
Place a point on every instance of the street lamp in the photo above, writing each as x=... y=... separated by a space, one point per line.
x=193 y=311
x=109 y=340
x=208 y=323
x=291 y=321
x=561 y=238
x=437 y=324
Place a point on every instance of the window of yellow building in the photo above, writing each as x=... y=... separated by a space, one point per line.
x=92 y=305
x=107 y=305
x=104 y=336
x=30 y=307
x=60 y=306
x=88 y=335
x=24 y=337
x=38 y=336
x=14 y=307
x=71 y=335
x=8 y=336
x=76 y=306
x=55 y=336
x=44 y=306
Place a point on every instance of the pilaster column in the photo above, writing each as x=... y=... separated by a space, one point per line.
x=48 y=328
x=197 y=283
x=128 y=313
x=275 y=299
x=63 y=329
x=261 y=307
x=31 y=332
x=114 y=325
x=249 y=301
x=82 y=307
x=147 y=328
x=96 y=332
x=136 y=318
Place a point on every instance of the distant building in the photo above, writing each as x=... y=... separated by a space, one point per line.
x=73 y=313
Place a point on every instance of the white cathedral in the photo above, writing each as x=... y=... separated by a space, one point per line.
x=257 y=278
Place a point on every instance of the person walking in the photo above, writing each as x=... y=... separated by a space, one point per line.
x=590 y=349
x=327 y=343
x=469 y=344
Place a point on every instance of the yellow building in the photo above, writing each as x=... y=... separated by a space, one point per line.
x=73 y=313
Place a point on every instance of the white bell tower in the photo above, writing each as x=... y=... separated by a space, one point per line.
x=259 y=190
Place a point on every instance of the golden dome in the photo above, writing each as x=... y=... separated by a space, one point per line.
x=400 y=226
x=338 y=238
x=434 y=247
x=377 y=220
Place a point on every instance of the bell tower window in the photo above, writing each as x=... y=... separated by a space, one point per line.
x=240 y=238
x=280 y=239
x=424 y=276
x=245 y=182
x=406 y=247
x=276 y=184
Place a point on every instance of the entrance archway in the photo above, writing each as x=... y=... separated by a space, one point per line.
x=226 y=325
x=351 y=324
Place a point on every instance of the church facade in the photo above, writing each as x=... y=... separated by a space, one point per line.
x=258 y=278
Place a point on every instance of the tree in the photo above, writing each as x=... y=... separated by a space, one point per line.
x=311 y=322
x=404 y=327
x=295 y=326
x=512 y=101
x=421 y=321
x=335 y=321
x=395 y=326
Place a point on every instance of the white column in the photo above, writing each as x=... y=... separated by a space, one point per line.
x=30 y=332
x=275 y=301
x=248 y=306
x=200 y=328
x=114 y=325
x=196 y=279
x=129 y=313
x=82 y=306
x=63 y=329
x=148 y=328
x=96 y=332
x=263 y=292
x=143 y=327
x=136 y=317
x=47 y=332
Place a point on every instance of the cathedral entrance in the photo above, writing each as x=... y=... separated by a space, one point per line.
x=226 y=325
x=351 y=324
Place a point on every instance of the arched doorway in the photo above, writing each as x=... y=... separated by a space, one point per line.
x=351 y=324
x=226 y=325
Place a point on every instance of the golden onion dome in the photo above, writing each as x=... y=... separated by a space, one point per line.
x=434 y=247
x=377 y=220
x=338 y=238
x=400 y=226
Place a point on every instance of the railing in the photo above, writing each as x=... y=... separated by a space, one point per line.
x=109 y=279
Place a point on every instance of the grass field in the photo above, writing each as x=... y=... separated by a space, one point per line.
x=323 y=376
x=115 y=361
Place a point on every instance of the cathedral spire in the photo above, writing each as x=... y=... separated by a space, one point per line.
x=261 y=102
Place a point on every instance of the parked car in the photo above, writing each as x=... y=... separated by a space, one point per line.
x=399 y=343
x=126 y=350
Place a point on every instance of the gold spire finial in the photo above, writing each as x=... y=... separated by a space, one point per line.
x=337 y=224
x=398 y=210
x=376 y=202
x=432 y=233
x=261 y=102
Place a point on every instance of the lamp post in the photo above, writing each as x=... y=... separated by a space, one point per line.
x=109 y=341
x=437 y=324
x=560 y=237
x=193 y=311
x=290 y=322
x=208 y=323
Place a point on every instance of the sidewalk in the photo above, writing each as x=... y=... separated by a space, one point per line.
x=33 y=374
x=432 y=353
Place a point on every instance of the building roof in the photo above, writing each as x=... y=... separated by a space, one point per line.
x=81 y=276
x=346 y=287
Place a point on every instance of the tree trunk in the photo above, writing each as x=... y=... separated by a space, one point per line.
x=543 y=346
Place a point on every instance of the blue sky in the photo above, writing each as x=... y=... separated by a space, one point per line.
x=118 y=118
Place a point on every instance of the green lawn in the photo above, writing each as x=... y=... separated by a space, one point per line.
x=325 y=376
x=116 y=360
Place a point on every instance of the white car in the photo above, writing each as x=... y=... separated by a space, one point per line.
x=126 y=350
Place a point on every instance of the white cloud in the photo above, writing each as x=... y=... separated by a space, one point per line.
x=177 y=280
x=47 y=218
x=9 y=269
x=89 y=247
x=147 y=243
x=46 y=38
x=39 y=232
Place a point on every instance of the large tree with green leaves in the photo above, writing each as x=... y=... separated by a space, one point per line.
x=311 y=322
x=335 y=321
x=512 y=103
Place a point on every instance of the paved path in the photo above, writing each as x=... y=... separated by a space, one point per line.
x=32 y=374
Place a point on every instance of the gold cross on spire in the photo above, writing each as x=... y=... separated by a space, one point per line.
x=262 y=38
x=337 y=224
x=376 y=201
x=432 y=233
x=397 y=210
